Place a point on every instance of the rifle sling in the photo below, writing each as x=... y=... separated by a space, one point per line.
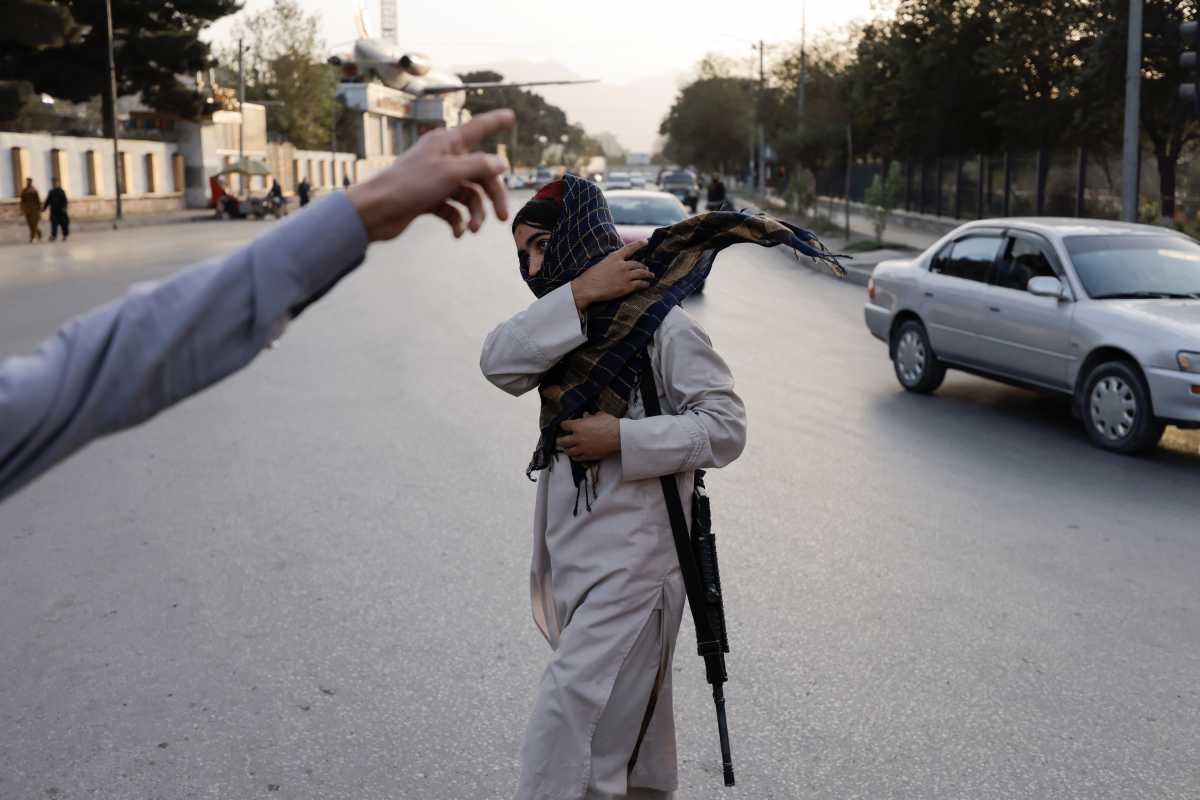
x=707 y=639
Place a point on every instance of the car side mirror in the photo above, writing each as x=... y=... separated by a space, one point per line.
x=1046 y=286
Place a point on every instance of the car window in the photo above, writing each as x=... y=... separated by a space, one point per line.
x=1023 y=260
x=970 y=258
x=1124 y=265
x=655 y=211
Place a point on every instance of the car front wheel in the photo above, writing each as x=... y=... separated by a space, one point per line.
x=1117 y=411
x=917 y=368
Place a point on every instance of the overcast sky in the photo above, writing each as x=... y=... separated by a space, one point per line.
x=618 y=40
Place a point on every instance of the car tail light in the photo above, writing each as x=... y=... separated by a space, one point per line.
x=871 y=288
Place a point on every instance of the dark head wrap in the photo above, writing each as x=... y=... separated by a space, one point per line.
x=600 y=375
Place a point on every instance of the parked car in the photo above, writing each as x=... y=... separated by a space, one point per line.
x=515 y=181
x=542 y=175
x=1107 y=313
x=637 y=213
x=683 y=185
x=637 y=180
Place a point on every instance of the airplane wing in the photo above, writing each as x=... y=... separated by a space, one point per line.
x=447 y=89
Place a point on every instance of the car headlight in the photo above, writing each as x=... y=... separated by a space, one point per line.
x=1188 y=362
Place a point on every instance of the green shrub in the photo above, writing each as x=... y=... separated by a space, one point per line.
x=882 y=197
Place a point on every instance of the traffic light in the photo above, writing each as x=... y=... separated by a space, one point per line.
x=1189 y=32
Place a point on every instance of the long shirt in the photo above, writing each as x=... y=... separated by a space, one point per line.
x=602 y=580
x=56 y=201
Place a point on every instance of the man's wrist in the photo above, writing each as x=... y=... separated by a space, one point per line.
x=580 y=294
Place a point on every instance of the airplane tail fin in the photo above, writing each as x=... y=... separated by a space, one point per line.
x=360 y=22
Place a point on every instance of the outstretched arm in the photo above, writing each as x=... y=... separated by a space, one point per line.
x=124 y=362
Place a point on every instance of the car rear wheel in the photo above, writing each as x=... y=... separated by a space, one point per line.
x=1117 y=411
x=917 y=368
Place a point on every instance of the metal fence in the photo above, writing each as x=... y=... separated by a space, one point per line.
x=1078 y=183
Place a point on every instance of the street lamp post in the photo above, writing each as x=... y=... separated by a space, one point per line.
x=241 y=116
x=1133 y=87
x=112 y=95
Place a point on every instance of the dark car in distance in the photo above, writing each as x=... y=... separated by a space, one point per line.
x=683 y=185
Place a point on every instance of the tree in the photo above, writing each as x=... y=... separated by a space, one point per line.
x=819 y=140
x=285 y=70
x=539 y=123
x=154 y=42
x=882 y=197
x=1165 y=118
x=711 y=123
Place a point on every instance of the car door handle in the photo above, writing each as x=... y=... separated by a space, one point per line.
x=994 y=308
x=929 y=294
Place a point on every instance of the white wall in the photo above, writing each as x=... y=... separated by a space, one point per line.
x=40 y=146
x=345 y=162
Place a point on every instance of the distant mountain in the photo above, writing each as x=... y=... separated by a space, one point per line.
x=629 y=111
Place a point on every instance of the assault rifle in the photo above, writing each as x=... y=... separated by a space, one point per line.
x=697 y=552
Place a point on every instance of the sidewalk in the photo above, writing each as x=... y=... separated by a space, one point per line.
x=860 y=265
x=15 y=232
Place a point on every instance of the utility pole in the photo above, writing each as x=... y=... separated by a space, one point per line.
x=802 y=88
x=762 y=137
x=241 y=115
x=112 y=95
x=1130 y=161
x=849 y=164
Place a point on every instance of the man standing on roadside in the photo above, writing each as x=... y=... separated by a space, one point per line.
x=302 y=192
x=31 y=207
x=56 y=201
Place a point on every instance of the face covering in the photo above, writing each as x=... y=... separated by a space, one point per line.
x=600 y=375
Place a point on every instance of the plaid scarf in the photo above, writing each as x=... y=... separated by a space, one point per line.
x=600 y=375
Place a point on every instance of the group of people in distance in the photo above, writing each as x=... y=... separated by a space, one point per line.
x=32 y=206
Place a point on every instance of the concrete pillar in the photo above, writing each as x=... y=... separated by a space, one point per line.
x=178 y=179
x=123 y=172
x=153 y=182
x=20 y=169
x=95 y=173
x=297 y=175
x=312 y=173
x=59 y=169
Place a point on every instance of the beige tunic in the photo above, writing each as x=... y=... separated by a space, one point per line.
x=606 y=589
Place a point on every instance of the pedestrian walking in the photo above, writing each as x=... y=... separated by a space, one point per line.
x=716 y=194
x=345 y=181
x=603 y=556
x=31 y=207
x=56 y=201
x=122 y=363
x=302 y=190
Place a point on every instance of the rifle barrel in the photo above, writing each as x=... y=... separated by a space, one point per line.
x=723 y=730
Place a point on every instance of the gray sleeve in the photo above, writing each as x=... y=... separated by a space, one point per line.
x=519 y=351
x=123 y=362
x=708 y=428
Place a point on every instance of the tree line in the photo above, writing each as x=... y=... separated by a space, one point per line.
x=944 y=78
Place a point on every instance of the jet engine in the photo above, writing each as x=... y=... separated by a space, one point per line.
x=415 y=64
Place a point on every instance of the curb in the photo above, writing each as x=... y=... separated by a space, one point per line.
x=857 y=273
x=19 y=236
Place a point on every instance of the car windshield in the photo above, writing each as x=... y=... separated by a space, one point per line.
x=1112 y=267
x=678 y=179
x=656 y=211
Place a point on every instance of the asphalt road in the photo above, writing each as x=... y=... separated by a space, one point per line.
x=311 y=580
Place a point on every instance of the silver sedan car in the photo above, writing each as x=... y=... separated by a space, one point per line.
x=1107 y=313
